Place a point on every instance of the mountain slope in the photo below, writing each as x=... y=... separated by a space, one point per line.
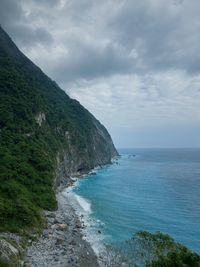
x=43 y=134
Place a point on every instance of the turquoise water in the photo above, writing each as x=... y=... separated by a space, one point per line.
x=157 y=189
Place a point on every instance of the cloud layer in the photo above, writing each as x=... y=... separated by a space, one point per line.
x=134 y=64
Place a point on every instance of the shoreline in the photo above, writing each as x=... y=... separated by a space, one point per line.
x=66 y=240
x=90 y=226
x=62 y=242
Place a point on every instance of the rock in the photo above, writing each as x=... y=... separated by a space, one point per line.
x=53 y=226
x=59 y=241
x=45 y=233
x=8 y=252
x=78 y=225
x=62 y=226
x=73 y=243
x=50 y=214
x=27 y=264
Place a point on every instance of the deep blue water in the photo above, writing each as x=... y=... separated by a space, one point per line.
x=157 y=189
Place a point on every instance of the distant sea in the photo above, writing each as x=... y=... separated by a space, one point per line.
x=146 y=189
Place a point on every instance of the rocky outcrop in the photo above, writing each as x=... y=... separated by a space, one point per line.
x=99 y=151
x=40 y=118
x=8 y=253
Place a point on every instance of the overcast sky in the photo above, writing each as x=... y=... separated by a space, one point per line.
x=134 y=64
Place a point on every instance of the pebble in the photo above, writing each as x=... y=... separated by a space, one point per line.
x=61 y=244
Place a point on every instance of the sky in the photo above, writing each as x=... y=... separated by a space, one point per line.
x=134 y=64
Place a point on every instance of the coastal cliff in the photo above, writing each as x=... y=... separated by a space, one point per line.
x=45 y=138
x=98 y=151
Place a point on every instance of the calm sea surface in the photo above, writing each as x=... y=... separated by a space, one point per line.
x=147 y=189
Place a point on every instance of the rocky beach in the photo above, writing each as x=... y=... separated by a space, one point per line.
x=62 y=242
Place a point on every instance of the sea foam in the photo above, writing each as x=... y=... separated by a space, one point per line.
x=84 y=203
x=83 y=209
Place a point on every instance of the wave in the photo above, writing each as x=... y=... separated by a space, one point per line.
x=84 y=203
x=91 y=230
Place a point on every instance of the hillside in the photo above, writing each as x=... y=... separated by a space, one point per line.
x=44 y=138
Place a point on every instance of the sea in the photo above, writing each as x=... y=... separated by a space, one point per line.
x=144 y=189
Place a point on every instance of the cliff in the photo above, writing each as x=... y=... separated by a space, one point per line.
x=45 y=137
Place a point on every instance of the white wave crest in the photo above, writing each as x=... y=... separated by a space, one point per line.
x=84 y=203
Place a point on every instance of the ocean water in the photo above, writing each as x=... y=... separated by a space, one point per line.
x=146 y=189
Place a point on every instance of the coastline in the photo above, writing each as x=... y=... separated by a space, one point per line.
x=90 y=226
x=66 y=239
x=62 y=242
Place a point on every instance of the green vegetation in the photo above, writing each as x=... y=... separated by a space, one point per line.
x=154 y=250
x=3 y=264
x=28 y=147
x=160 y=250
x=9 y=264
x=178 y=257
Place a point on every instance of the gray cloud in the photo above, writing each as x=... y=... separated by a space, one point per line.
x=16 y=21
x=10 y=12
x=109 y=37
x=30 y=37
x=134 y=64
x=51 y=3
x=87 y=61
x=165 y=34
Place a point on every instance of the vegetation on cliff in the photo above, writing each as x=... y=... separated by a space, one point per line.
x=38 y=120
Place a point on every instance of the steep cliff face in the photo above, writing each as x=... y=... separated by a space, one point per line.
x=99 y=150
x=41 y=130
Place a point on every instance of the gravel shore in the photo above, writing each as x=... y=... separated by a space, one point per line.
x=62 y=243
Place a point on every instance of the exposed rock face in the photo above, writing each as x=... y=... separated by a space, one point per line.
x=40 y=118
x=99 y=151
x=8 y=253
